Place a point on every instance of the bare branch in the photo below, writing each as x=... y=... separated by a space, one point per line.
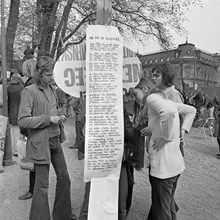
x=83 y=21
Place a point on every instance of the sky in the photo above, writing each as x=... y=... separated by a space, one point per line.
x=203 y=27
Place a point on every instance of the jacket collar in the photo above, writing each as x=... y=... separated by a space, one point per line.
x=39 y=86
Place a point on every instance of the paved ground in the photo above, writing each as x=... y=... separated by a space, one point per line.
x=198 y=192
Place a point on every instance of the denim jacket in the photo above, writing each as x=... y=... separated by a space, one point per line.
x=34 y=115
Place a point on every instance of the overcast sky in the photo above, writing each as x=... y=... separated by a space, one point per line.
x=203 y=27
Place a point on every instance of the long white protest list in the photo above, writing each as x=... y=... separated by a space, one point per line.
x=104 y=102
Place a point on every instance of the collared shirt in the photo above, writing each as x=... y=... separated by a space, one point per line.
x=54 y=129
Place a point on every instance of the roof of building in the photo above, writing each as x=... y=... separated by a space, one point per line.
x=183 y=51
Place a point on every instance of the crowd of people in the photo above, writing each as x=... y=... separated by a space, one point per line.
x=155 y=123
x=207 y=107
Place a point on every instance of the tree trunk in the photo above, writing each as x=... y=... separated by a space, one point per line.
x=11 y=31
x=47 y=18
x=63 y=21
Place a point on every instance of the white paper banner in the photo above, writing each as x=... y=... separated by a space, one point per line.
x=104 y=102
x=103 y=199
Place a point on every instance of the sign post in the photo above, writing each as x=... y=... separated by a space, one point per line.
x=104 y=114
x=102 y=70
x=104 y=12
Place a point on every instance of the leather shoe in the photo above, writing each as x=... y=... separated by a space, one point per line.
x=27 y=195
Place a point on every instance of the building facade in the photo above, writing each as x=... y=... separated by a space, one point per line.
x=193 y=67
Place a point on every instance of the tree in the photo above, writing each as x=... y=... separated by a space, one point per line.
x=11 y=30
x=53 y=25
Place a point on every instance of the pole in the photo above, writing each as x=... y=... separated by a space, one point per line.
x=3 y=52
x=194 y=76
x=104 y=12
x=7 y=160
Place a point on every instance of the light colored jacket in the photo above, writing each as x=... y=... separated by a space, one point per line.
x=164 y=122
x=34 y=115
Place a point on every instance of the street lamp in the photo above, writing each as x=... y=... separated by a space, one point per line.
x=194 y=75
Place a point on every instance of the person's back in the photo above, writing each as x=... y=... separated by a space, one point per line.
x=14 y=90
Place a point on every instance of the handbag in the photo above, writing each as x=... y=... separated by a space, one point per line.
x=131 y=153
x=21 y=148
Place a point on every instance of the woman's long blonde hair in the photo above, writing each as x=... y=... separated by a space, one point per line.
x=29 y=68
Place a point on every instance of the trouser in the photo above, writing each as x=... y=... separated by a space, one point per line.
x=163 y=205
x=62 y=204
x=31 y=181
x=125 y=194
x=80 y=122
x=218 y=137
x=125 y=190
x=85 y=206
x=80 y=138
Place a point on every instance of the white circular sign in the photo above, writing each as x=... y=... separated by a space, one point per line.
x=70 y=70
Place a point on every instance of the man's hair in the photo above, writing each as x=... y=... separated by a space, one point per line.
x=143 y=83
x=44 y=64
x=166 y=70
x=28 y=68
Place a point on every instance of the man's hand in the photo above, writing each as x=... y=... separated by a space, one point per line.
x=158 y=144
x=145 y=131
x=182 y=145
x=63 y=118
x=55 y=119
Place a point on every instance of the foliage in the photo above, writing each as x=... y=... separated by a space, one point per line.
x=53 y=25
